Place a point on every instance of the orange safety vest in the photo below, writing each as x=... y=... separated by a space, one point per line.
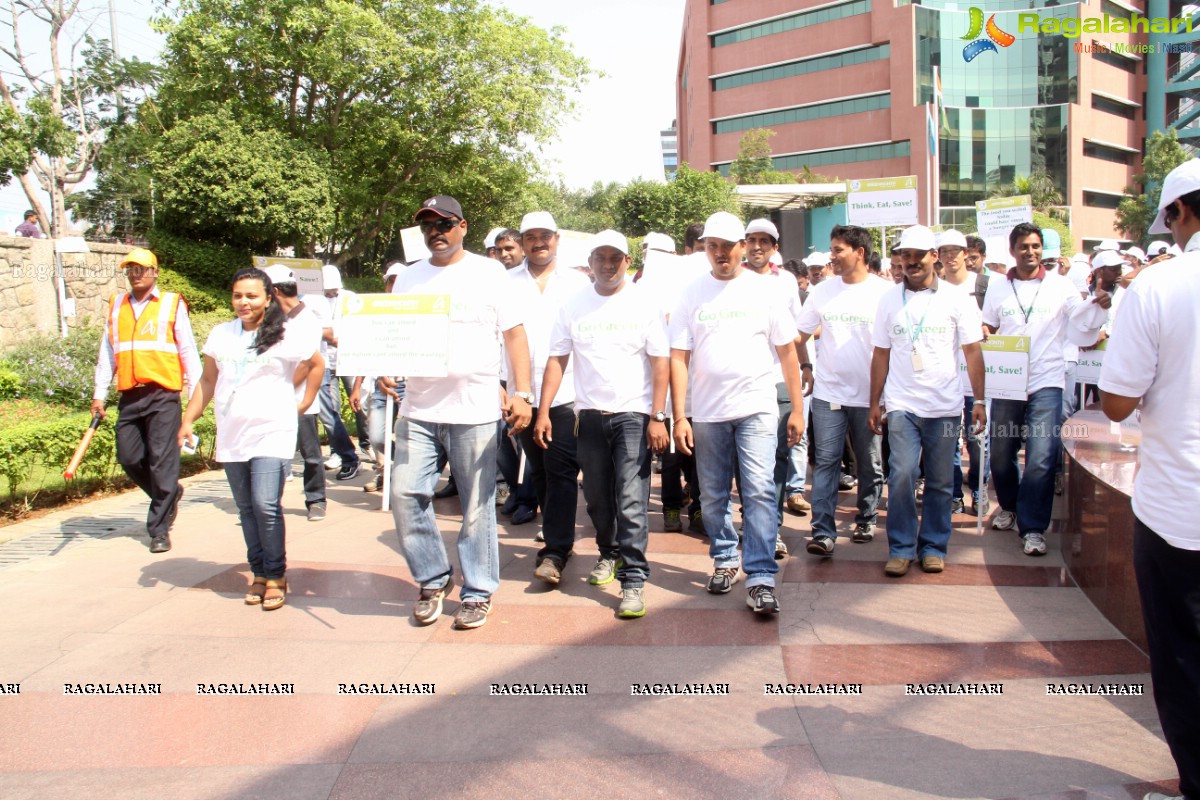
x=145 y=347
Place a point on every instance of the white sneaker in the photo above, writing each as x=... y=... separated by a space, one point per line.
x=1161 y=796
x=1035 y=544
x=333 y=462
x=1004 y=521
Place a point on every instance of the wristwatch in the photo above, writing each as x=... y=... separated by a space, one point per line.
x=526 y=396
x=660 y=416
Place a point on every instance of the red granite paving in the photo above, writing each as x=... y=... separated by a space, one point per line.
x=804 y=568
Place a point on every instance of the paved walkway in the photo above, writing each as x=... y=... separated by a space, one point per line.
x=85 y=603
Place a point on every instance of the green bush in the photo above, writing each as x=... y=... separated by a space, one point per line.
x=201 y=263
x=10 y=384
x=200 y=299
x=58 y=370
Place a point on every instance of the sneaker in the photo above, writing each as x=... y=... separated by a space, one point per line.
x=1004 y=521
x=847 y=482
x=862 y=532
x=633 y=604
x=1161 y=796
x=696 y=524
x=933 y=563
x=796 y=504
x=896 y=567
x=920 y=491
x=347 y=472
x=290 y=477
x=501 y=495
x=980 y=505
x=548 y=570
x=316 y=512
x=604 y=572
x=1035 y=544
x=820 y=545
x=761 y=600
x=957 y=506
x=333 y=462
x=672 y=523
x=723 y=579
x=375 y=485
x=540 y=536
x=522 y=515
x=367 y=453
x=780 y=548
x=472 y=614
x=429 y=604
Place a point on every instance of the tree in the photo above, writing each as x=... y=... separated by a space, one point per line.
x=1043 y=192
x=753 y=164
x=56 y=117
x=1135 y=214
x=403 y=100
x=645 y=206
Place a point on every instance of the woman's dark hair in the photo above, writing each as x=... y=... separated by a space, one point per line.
x=270 y=330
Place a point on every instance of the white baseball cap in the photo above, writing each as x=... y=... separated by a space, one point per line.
x=1107 y=258
x=1182 y=180
x=951 y=238
x=331 y=277
x=490 y=239
x=918 y=237
x=659 y=241
x=763 y=226
x=1137 y=253
x=1110 y=244
x=538 y=220
x=816 y=259
x=723 y=225
x=776 y=259
x=278 y=273
x=395 y=268
x=609 y=238
x=1078 y=273
x=1157 y=248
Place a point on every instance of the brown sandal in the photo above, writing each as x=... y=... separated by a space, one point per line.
x=275 y=595
x=254 y=595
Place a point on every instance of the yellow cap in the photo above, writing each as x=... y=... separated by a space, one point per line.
x=139 y=255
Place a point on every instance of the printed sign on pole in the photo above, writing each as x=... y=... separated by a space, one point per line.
x=1005 y=368
x=307 y=271
x=999 y=216
x=1090 y=361
x=877 y=202
x=394 y=334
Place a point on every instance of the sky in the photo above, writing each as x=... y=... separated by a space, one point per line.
x=614 y=132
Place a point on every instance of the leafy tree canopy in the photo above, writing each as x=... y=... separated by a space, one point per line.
x=1135 y=214
x=670 y=207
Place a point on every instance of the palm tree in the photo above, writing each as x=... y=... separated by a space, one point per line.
x=1040 y=187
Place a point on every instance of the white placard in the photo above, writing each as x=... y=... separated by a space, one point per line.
x=999 y=216
x=1005 y=368
x=309 y=281
x=394 y=334
x=1090 y=361
x=879 y=202
x=413 y=242
x=71 y=244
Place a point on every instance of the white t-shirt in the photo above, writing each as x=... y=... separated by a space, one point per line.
x=611 y=340
x=942 y=321
x=307 y=323
x=1153 y=355
x=845 y=314
x=786 y=287
x=540 y=310
x=1049 y=303
x=481 y=308
x=329 y=309
x=255 y=397
x=731 y=327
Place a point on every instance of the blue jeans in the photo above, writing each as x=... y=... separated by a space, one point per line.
x=1036 y=423
x=829 y=432
x=471 y=451
x=910 y=437
x=615 y=461
x=797 y=472
x=750 y=444
x=975 y=452
x=330 y=403
x=257 y=486
x=377 y=422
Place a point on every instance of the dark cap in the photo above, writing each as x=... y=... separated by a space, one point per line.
x=442 y=205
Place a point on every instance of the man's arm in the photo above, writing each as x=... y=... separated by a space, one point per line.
x=556 y=367
x=517 y=412
x=880 y=362
x=679 y=387
x=660 y=376
x=806 y=373
x=185 y=341
x=973 y=355
x=106 y=366
x=795 y=390
x=1117 y=407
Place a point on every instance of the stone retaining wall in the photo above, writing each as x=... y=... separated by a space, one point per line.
x=28 y=294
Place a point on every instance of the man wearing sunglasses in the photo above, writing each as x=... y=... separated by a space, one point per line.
x=454 y=417
x=148 y=344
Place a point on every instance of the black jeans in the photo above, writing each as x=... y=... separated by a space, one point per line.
x=308 y=442
x=508 y=463
x=1169 y=586
x=147 y=434
x=555 y=474
x=678 y=468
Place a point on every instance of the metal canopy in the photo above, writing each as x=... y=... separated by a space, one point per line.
x=776 y=196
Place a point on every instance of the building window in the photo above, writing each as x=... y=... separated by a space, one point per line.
x=1113 y=107
x=1101 y=199
x=1106 y=153
x=1111 y=9
x=846 y=155
x=785 y=116
x=802 y=67
x=791 y=22
x=1106 y=55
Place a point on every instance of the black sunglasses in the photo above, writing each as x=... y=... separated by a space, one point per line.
x=441 y=225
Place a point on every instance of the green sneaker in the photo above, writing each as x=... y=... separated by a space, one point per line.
x=633 y=604
x=604 y=571
x=671 y=520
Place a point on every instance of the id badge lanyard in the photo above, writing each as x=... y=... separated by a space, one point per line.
x=914 y=331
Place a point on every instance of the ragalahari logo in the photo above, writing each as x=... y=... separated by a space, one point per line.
x=996 y=36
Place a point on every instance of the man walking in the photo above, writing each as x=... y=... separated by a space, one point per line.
x=919 y=327
x=343 y=458
x=454 y=417
x=619 y=338
x=148 y=344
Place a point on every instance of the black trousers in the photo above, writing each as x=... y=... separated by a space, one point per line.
x=147 y=435
x=555 y=474
x=1169 y=586
x=308 y=442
